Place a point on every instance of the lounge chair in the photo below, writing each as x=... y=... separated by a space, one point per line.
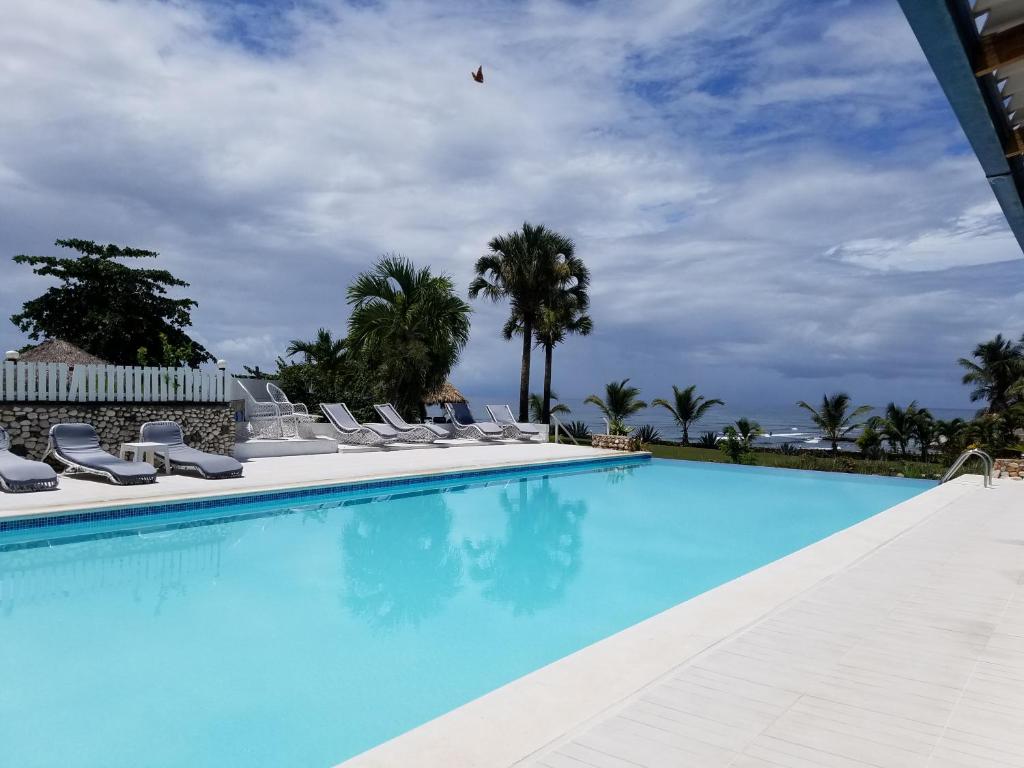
x=466 y=426
x=77 y=446
x=410 y=433
x=502 y=416
x=18 y=474
x=351 y=432
x=264 y=416
x=286 y=406
x=212 y=466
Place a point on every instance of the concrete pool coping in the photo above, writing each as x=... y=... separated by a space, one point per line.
x=516 y=722
x=294 y=473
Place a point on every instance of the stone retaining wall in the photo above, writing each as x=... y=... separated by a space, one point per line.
x=1010 y=468
x=209 y=427
x=615 y=442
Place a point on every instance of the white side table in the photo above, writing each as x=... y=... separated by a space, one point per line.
x=147 y=452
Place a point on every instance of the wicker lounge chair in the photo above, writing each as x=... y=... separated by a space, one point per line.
x=77 y=447
x=18 y=474
x=410 y=433
x=264 y=416
x=287 y=407
x=212 y=466
x=466 y=426
x=351 y=432
x=503 y=417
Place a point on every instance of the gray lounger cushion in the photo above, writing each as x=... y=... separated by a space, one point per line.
x=209 y=465
x=502 y=414
x=79 y=445
x=465 y=418
x=19 y=474
x=342 y=419
x=391 y=415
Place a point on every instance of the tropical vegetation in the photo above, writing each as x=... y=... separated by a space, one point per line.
x=537 y=407
x=687 y=407
x=834 y=417
x=620 y=401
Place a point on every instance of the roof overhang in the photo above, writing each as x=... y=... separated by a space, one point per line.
x=977 y=54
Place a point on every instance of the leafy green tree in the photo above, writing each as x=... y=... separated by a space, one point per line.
x=897 y=425
x=620 y=401
x=737 y=440
x=997 y=367
x=521 y=267
x=871 y=443
x=409 y=327
x=323 y=365
x=834 y=417
x=537 y=407
x=108 y=308
x=687 y=407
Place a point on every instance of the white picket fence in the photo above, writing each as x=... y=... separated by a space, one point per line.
x=56 y=382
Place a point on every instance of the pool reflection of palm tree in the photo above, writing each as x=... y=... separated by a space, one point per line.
x=400 y=565
x=540 y=554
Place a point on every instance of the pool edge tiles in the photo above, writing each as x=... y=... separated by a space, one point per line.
x=513 y=724
x=140 y=509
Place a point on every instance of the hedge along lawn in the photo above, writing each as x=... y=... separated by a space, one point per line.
x=824 y=463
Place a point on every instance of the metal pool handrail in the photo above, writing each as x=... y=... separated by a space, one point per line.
x=962 y=459
x=559 y=425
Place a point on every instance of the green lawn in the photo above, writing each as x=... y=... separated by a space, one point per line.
x=824 y=463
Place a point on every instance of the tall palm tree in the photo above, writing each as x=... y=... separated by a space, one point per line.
x=687 y=407
x=620 y=401
x=999 y=366
x=520 y=267
x=925 y=430
x=834 y=417
x=537 y=407
x=564 y=311
x=410 y=327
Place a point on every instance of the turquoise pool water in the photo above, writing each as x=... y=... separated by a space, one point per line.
x=302 y=632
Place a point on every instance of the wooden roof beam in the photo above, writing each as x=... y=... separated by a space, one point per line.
x=999 y=49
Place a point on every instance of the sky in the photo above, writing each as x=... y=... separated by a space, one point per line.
x=774 y=198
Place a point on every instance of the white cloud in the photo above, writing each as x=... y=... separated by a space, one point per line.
x=738 y=195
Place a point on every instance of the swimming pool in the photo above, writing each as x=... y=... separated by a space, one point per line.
x=302 y=631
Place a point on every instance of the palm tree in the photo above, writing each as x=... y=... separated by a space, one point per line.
x=619 y=403
x=834 y=417
x=537 y=407
x=925 y=430
x=410 y=328
x=564 y=313
x=687 y=407
x=324 y=350
x=999 y=366
x=748 y=431
x=898 y=426
x=519 y=266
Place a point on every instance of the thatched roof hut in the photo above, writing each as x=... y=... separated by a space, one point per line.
x=446 y=393
x=59 y=351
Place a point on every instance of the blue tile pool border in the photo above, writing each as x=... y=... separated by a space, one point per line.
x=75 y=517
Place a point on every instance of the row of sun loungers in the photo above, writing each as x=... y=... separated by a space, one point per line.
x=77 y=446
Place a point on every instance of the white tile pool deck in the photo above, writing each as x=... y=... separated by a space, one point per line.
x=897 y=642
x=294 y=471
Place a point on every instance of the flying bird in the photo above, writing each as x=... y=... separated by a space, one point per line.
x=478 y=75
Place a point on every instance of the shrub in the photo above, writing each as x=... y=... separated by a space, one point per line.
x=708 y=440
x=647 y=434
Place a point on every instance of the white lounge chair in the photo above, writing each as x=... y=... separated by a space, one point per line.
x=468 y=427
x=264 y=416
x=351 y=432
x=511 y=429
x=410 y=433
x=286 y=406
